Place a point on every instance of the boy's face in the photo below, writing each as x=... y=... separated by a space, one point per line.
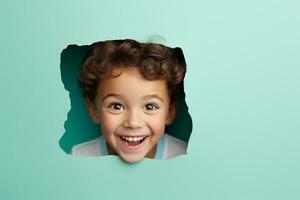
x=132 y=112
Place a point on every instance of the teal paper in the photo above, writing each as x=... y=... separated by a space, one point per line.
x=242 y=91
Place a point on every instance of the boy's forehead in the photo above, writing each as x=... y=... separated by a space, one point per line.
x=129 y=73
x=131 y=81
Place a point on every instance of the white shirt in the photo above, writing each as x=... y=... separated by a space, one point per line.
x=168 y=147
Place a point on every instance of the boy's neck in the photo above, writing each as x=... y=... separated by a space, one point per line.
x=151 y=153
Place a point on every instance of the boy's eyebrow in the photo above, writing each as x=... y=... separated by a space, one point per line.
x=111 y=95
x=145 y=97
x=154 y=96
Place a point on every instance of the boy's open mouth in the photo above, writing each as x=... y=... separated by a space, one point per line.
x=133 y=141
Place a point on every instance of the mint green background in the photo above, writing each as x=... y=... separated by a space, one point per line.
x=242 y=89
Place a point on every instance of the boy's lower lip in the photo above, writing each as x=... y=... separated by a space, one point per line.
x=129 y=148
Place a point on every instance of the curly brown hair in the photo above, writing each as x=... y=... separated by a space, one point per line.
x=155 y=62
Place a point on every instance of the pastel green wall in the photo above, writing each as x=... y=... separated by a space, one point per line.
x=242 y=89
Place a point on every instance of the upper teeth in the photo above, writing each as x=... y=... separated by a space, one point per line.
x=135 y=139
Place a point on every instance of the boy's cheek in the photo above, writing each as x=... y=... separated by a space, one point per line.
x=109 y=123
x=158 y=125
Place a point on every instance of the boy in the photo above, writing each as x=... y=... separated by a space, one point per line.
x=132 y=90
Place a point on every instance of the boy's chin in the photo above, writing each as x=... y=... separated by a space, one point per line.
x=132 y=158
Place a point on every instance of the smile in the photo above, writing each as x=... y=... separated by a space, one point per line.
x=132 y=143
x=133 y=139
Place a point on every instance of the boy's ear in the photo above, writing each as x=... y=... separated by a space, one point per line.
x=91 y=107
x=172 y=114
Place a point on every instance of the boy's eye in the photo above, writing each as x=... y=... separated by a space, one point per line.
x=116 y=106
x=151 y=107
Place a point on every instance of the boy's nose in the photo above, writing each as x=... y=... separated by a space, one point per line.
x=132 y=120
